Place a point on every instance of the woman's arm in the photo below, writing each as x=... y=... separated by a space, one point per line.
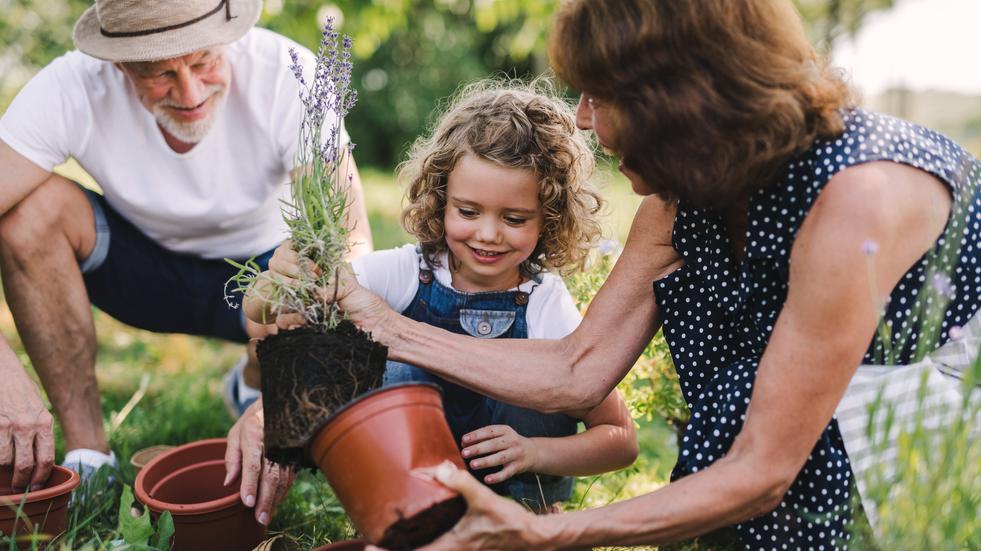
x=819 y=340
x=621 y=320
x=608 y=443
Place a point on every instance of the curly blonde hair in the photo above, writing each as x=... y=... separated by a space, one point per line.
x=515 y=125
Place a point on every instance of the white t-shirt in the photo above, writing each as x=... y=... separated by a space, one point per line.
x=393 y=274
x=220 y=199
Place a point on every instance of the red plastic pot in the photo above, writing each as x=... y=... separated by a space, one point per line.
x=187 y=481
x=369 y=451
x=44 y=510
x=350 y=545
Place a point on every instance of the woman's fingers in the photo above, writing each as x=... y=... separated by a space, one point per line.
x=491 y=522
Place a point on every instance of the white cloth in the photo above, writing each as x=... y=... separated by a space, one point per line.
x=393 y=274
x=220 y=199
x=930 y=392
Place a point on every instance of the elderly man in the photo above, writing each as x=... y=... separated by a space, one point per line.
x=188 y=119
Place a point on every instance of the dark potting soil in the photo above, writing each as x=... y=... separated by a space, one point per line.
x=424 y=527
x=308 y=374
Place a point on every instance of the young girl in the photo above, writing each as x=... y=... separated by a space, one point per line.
x=500 y=204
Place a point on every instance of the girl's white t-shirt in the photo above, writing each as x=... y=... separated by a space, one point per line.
x=393 y=274
x=220 y=199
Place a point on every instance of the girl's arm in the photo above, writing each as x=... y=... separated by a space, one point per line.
x=621 y=320
x=608 y=443
x=819 y=340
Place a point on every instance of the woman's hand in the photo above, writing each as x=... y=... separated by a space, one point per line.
x=499 y=445
x=264 y=483
x=491 y=521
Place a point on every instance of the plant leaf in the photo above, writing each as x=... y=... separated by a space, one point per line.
x=165 y=531
x=134 y=530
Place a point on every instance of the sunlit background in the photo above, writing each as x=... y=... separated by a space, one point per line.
x=913 y=58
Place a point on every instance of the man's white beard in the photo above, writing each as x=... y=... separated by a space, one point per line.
x=193 y=131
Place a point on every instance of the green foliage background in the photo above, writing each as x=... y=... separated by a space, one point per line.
x=409 y=53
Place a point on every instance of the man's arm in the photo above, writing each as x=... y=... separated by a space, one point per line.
x=360 y=238
x=26 y=438
x=18 y=177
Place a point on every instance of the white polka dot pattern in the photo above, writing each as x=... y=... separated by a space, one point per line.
x=718 y=315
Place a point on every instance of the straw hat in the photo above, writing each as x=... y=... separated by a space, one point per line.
x=150 y=30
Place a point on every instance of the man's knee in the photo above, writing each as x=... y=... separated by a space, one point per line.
x=57 y=209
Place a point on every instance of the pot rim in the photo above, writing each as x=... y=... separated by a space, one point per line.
x=323 y=424
x=159 y=506
x=45 y=494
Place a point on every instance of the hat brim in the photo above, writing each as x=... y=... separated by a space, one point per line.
x=208 y=32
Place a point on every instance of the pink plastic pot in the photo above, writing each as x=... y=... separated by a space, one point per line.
x=44 y=511
x=187 y=481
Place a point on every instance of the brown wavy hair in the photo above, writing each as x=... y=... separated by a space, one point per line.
x=516 y=125
x=710 y=98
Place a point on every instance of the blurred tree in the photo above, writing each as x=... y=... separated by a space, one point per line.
x=410 y=53
x=829 y=19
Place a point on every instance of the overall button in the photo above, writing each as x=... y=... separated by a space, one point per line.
x=425 y=276
x=521 y=298
x=486 y=324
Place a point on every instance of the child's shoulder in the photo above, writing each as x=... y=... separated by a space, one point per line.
x=552 y=312
x=547 y=284
x=387 y=266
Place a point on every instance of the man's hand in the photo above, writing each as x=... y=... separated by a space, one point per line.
x=499 y=445
x=244 y=457
x=26 y=438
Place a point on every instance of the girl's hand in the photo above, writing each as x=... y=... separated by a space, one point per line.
x=499 y=445
x=363 y=307
x=286 y=265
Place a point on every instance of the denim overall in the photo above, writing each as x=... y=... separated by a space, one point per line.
x=489 y=315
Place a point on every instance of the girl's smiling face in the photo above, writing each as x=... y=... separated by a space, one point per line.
x=493 y=220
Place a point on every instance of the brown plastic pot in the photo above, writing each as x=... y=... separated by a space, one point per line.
x=44 y=511
x=141 y=457
x=350 y=545
x=369 y=451
x=187 y=481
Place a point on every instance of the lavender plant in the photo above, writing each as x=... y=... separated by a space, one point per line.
x=317 y=213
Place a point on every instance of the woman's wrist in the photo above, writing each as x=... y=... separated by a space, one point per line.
x=545 y=532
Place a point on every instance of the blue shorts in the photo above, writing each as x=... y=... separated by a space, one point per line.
x=135 y=280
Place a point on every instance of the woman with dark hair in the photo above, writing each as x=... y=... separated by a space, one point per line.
x=770 y=197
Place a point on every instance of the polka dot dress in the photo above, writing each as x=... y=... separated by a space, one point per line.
x=718 y=315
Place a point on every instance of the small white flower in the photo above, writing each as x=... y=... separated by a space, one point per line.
x=943 y=285
x=955 y=333
x=607 y=247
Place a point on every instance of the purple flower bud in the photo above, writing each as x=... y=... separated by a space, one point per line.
x=869 y=247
